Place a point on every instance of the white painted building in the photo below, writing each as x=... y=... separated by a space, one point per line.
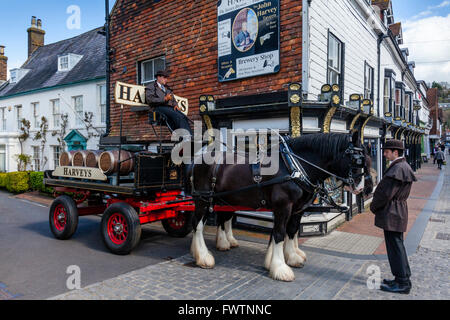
x=63 y=80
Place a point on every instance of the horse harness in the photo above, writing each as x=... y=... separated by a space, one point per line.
x=297 y=174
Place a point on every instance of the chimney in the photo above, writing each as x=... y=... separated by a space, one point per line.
x=3 y=64
x=35 y=35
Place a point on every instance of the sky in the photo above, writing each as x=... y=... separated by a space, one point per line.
x=426 y=33
x=426 y=29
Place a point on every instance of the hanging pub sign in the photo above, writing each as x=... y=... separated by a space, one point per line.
x=248 y=38
x=134 y=95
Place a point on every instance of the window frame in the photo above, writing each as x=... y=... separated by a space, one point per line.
x=36 y=160
x=35 y=110
x=102 y=106
x=340 y=58
x=19 y=116
x=79 y=121
x=368 y=67
x=56 y=155
x=61 y=63
x=56 y=116
x=141 y=69
x=3 y=119
x=3 y=157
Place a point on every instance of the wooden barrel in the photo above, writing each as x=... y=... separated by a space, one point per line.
x=79 y=158
x=109 y=162
x=65 y=159
x=92 y=159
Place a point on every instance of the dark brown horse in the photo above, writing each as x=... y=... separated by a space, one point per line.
x=322 y=155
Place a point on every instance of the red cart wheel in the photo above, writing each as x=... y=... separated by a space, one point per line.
x=120 y=228
x=180 y=226
x=63 y=217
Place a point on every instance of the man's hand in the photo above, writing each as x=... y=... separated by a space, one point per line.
x=168 y=97
x=177 y=108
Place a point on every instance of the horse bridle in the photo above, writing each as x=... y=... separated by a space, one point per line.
x=357 y=162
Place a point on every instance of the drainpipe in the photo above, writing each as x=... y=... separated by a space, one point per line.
x=108 y=71
x=381 y=38
x=305 y=48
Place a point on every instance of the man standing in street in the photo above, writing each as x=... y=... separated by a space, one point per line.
x=391 y=214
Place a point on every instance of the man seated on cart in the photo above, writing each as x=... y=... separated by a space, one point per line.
x=161 y=97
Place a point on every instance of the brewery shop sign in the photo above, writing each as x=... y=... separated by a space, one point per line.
x=248 y=38
x=80 y=173
x=134 y=95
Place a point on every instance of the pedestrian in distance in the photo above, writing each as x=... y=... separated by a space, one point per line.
x=440 y=158
x=391 y=214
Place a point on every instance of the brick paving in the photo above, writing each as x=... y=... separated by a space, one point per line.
x=36 y=197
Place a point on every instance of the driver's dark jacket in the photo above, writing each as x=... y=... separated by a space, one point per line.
x=389 y=200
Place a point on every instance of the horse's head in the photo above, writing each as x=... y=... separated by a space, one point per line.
x=340 y=154
x=355 y=165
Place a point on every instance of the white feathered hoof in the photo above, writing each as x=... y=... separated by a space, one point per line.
x=279 y=270
x=268 y=259
x=222 y=243
x=295 y=261
x=301 y=254
x=282 y=272
x=206 y=261
x=233 y=243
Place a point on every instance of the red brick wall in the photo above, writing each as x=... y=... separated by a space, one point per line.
x=432 y=97
x=185 y=32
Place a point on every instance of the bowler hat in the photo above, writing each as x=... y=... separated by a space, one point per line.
x=394 y=144
x=162 y=73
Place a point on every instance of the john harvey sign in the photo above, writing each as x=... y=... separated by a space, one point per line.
x=248 y=38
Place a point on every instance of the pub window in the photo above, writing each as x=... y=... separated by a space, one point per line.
x=149 y=68
x=335 y=55
x=387 y=95
x=398 y=102
x=408 y=107
x=368 y=82
x=402 y=107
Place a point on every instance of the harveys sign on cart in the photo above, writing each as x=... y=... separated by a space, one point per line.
x=134 y=95
x=80 y=172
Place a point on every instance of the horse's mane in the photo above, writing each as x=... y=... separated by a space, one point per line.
x=325 y=144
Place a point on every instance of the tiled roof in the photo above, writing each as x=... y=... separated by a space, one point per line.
x=43 y=64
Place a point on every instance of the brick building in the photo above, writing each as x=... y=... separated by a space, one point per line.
x=181 y=36
x=436 y=117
